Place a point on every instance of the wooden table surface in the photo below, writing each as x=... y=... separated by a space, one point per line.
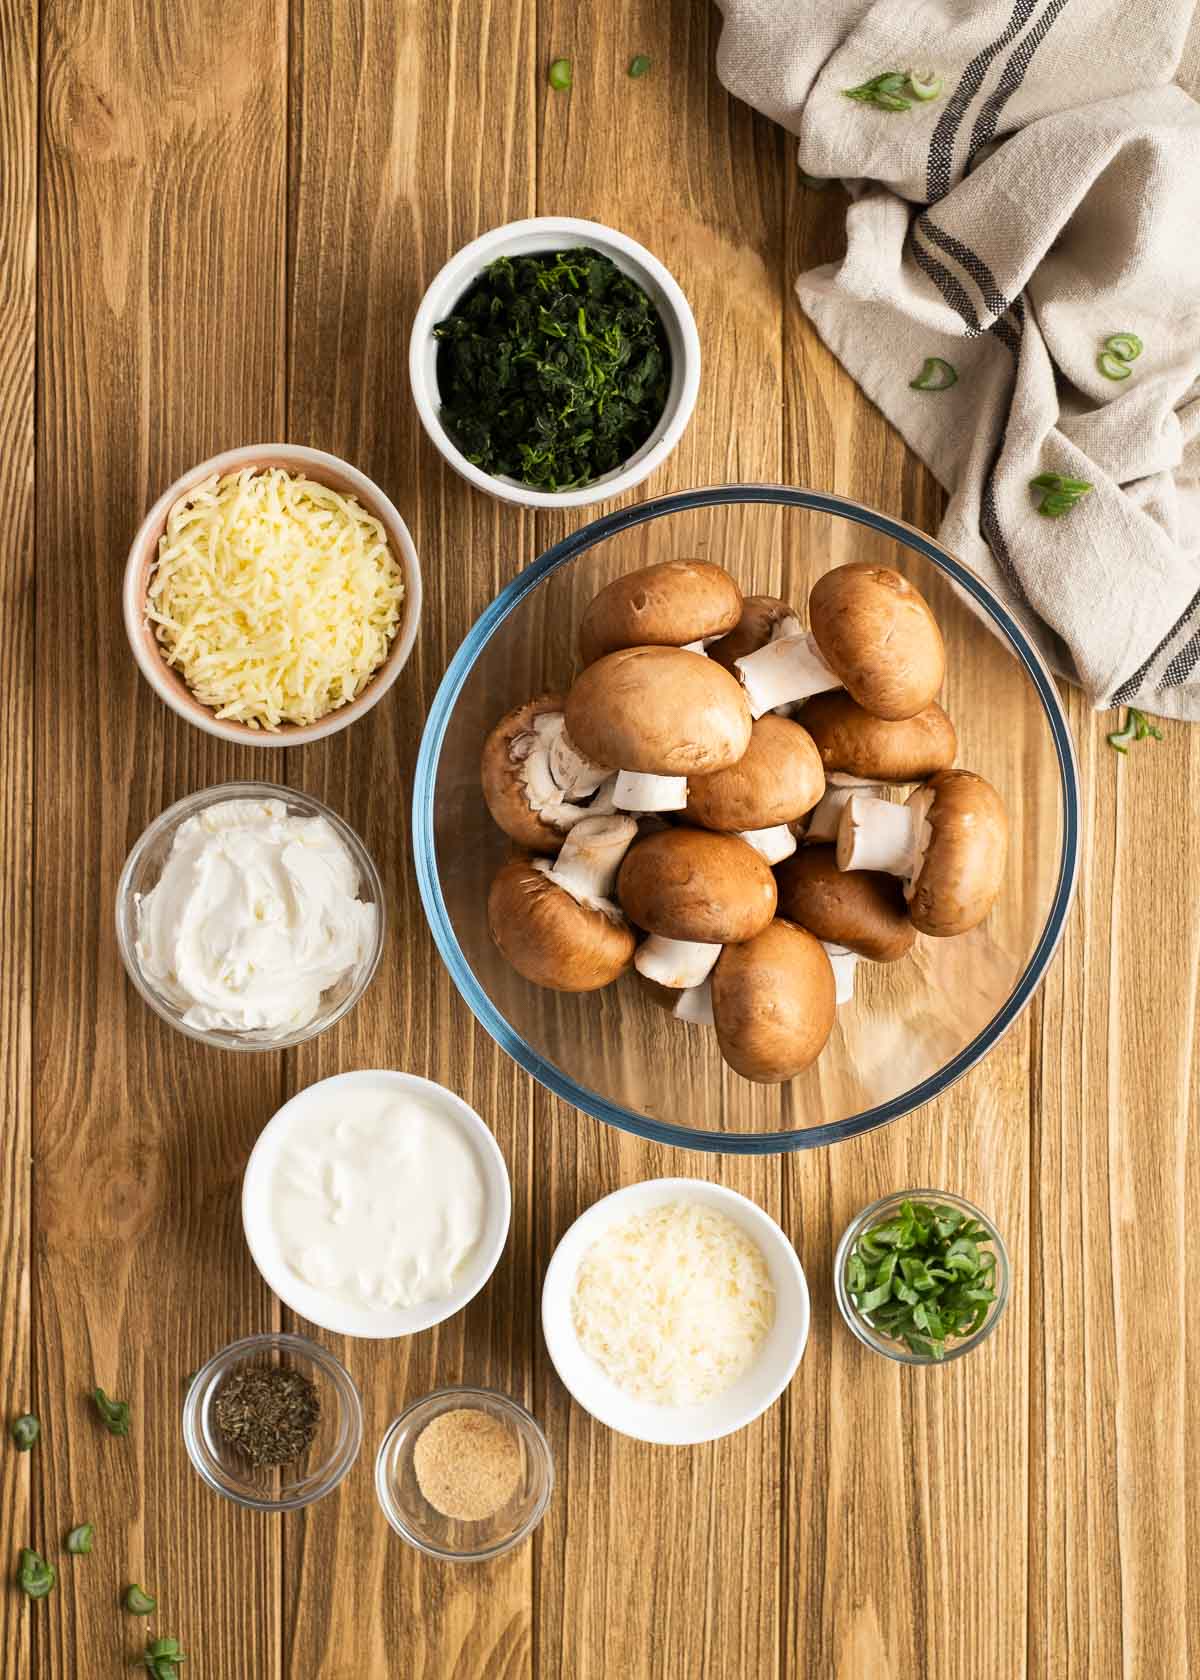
x=215 y=222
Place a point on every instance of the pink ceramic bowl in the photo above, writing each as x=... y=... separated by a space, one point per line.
x=170 y=686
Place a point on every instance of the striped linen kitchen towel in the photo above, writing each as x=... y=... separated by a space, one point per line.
x=1044 y=200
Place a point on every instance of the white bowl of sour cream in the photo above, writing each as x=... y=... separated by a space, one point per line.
x=376 y=1203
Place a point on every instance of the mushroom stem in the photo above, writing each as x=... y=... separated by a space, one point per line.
x=576 y=776
x=637 y=791
x=557 y=778
x=697 y=647
x=678 y=963
x=695 y=1005
x=774 y=843
x=843 y=962
x=787 y=669
x=590 y=858
x=875 y=834
x=824 y=818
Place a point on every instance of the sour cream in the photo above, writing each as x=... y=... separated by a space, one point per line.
x=375 y=1197
x=255 y=916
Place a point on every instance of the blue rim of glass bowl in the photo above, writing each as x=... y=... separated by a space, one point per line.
x=486 y=1013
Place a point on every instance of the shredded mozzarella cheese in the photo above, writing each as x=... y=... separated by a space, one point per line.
x=673 y=1304
x=276 y=597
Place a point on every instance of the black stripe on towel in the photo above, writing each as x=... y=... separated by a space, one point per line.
x=941 y=145
x=1121 y=696
x=968 y=261
x=1011 y=78
x=1182 y=665
x=950 y=287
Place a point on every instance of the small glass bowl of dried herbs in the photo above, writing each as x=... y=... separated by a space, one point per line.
x=272 y=1422
x=922 y=1277
x=554 y=362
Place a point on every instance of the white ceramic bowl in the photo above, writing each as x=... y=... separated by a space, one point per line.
x=340 y=1316
x=760 y=1385
x=169 y=685
x=549 y=233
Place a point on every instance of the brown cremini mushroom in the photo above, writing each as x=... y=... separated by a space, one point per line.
x=693 y=891
x=871 y=632
x=777 y=780
x=948 y=844
x=555 y=921
x=764 y=618
x=536 y=785
x=860 y=909
x=660 y=711
x=864 y=753
x=773 y=1001
x=665 y=605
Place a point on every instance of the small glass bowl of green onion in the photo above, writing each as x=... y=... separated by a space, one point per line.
x=922 y=1277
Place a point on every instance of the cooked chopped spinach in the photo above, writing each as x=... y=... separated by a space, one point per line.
x=553 y=369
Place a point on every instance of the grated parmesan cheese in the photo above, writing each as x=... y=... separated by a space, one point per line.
x=276 y=597
x=673 y=1304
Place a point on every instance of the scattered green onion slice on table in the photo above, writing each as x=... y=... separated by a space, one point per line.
x=1113 y=366
x=79 y=1540
x=162 y=1658
x=1059 y=494
x=1137 y=727
x=114 y=1414
x=924 y=1275
x=1126 y=346
x=639 y=65
x=25 y=1431
x=138 y=1601
x=560 y=74
x=35 y=1576
x=925 y=84
x=935 y=375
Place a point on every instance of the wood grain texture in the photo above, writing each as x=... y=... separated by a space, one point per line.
x=239 y=208
x=18 y=270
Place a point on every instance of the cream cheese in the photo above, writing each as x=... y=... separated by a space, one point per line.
x=255 y=916
x=376 y=1198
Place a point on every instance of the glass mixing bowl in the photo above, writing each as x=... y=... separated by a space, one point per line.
x=913 y=1027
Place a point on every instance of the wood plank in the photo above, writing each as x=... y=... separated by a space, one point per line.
x=906 y=1485
x=162 y=240
x=655 y=1562
x=18 y=273
x=412 y=133
x=1116 y=1421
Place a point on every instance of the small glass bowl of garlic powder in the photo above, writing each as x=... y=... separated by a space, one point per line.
x=250 y=917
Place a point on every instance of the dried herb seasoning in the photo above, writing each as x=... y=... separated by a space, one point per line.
x=268 y=1412
x=553 y=369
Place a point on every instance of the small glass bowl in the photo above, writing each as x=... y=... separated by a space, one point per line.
x=282 y=1487
x=145 y=864
x=860 y=1322
x=450 y=1538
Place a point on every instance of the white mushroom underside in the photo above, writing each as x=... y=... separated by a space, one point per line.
x=633 y=790
x=695 y=1005
x=774 y=844
x=590 y=858
x=561 y=785
x=875 y=834
x=788 y=669
x=824 y=818
x=843 y=963
x=677 y=963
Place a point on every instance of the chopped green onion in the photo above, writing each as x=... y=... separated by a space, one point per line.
x=560 y=74
x=79 y=1540
x=892 y=102
x=138 y=1601
x=639 y=65
x=1137 y=727
x=1127 y=346
x=35 y=1576
x=114 y=1413
x=921 y=1277
x=925 y=84
x=935 y=375
x=1061 y=494
x=162 y=1658
x=25 y=1431
x=1113 y=366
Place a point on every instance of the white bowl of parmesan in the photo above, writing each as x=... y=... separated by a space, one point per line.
x=675 y=1311
x=272 y=595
